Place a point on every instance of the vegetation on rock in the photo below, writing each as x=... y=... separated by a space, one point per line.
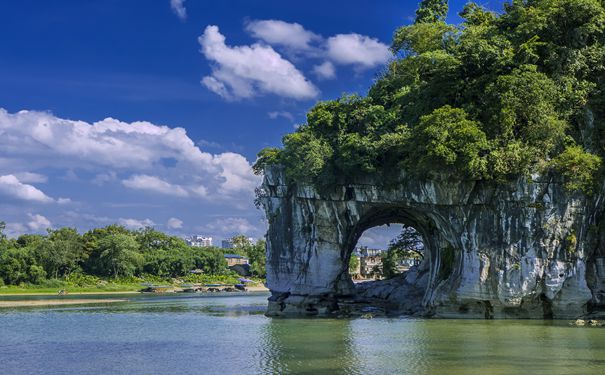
x=494 y=98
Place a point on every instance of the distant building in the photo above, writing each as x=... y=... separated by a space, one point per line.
x=370 y=266
x=366 y=252
x=235 y=259
x=199 y=241
x=370 y=262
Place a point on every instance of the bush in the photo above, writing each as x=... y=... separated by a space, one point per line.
x=578 y=168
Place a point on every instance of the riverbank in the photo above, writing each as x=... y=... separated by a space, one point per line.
x=56 y=302
x=21 y=292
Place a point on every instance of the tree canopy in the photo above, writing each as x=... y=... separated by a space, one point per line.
x=496 y=97
x=114 y=252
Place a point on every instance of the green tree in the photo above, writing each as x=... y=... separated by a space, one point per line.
x=353 y=264
x=18 y=265
x=407 y=245
x=211 y=261
x=448 y=141
x=61 y=253
x=432 y=11
x=578 y=168
x=119 y=255
x=257 y=254
x=2 y=229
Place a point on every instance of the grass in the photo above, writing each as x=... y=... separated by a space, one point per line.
x=130 y=284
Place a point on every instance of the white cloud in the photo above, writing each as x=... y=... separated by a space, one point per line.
x=12 y=187
x=178 y=7
x=359 y=50
x=14 y=230
x=249 y=71
x=154 y=184
x=291 y=35
x=230 y=226
x=174 y=223
x=64 y=201
x=31 y=178
x=104 y=178
x=277 y=114
x=38 y=222
x=38 y=140
x=135 y=224
x=325 y=70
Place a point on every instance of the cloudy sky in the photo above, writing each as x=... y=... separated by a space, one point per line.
x=150 y=112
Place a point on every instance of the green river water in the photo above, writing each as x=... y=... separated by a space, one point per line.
x=230 y=335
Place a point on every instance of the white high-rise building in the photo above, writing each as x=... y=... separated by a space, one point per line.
x=199 y=241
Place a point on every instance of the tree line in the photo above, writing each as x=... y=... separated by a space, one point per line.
x=112 y=252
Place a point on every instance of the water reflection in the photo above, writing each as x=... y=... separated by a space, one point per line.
x=230 y=335
x=316 y=346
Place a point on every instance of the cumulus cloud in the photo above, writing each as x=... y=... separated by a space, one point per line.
x=12 y=187
x=104 y=178
x=325 y=70
x=277 y=114
x=291 y=35
x=14 y=230
x=178 y=7
x=230 y=226
x=359 y=50
x=249 y=71
x=136 y=224
x=154 y=184
x=174 y=223
x=31 y=178
x=38 y=222
x=138 y=150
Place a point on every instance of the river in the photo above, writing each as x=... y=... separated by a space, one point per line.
x=230 y=335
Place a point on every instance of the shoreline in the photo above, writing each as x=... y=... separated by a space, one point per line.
x=56 y=302
x=101 y=293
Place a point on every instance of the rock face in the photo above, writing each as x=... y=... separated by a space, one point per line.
x=522 y=250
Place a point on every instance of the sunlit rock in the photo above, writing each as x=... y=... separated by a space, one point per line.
x=527 y=249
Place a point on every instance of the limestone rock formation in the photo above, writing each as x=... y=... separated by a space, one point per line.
x=526 y=249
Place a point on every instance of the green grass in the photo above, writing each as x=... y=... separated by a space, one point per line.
x=130 y=284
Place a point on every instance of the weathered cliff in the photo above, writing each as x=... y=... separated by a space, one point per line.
x=526 y=249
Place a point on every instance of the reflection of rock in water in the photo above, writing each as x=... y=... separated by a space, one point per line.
x=308 y=347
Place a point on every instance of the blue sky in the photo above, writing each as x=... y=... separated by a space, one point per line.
x=150 y=112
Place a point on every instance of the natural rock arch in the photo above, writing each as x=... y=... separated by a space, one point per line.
x=524 y=249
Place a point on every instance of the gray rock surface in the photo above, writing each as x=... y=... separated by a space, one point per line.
x=521 y=250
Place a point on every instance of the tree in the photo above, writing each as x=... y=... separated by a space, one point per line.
x=354 y=265
x=18 y=265
x=407 y=245
x=257 y=254
x=211 y=261
x=578 y=168
x=446 y=140
x=61 y=253
x=432 y=11
x=241 y=242
x=2 y=229
x=119 y=255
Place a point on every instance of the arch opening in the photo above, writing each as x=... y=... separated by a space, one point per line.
x=411 y=247
x=384 y=252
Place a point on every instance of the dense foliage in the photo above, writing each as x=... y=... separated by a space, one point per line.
x=496 y=97
x=113 y=252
